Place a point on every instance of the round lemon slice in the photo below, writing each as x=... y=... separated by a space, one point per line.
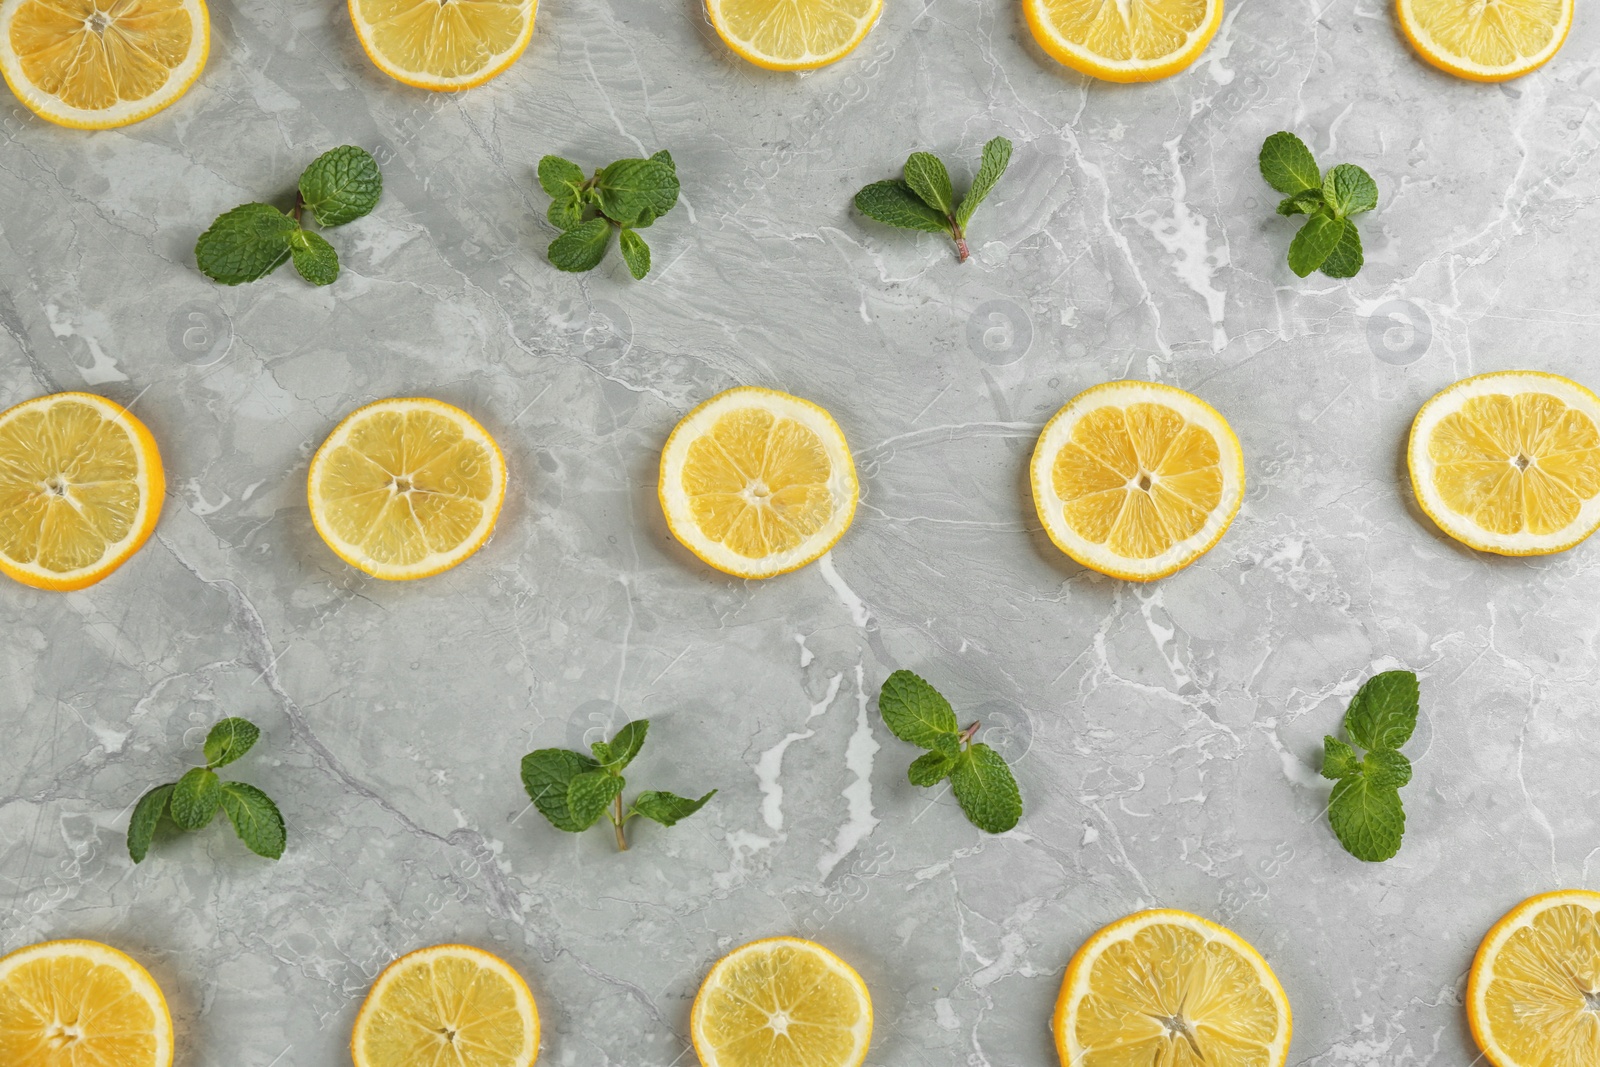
x=66 y=1003
x=1533 y=994
x=95 y=64
x=781 y=1001
x=793 y=34
x=449 y=1004
x=406 y=488
x=1509 y=462
x=1168 y=987
x=757 y=483
x=1486 y=42
x=1124 y=41
x=1137 y=480
x=444 y=45
x=81 y=486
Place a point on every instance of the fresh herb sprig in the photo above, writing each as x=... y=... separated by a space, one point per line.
x=1365 y=807
x=253 y=240
x=924 y=199
x=629 y=195
x=573 y=790
x=916 y=713
x=192 y=801
x=1329 y=240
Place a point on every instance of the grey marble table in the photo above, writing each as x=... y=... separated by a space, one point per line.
x=1166 y=737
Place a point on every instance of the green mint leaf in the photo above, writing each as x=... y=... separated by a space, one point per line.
x=560 y=177
x=546 y=775
x=665 y=157
x=926 y=175
x=601 y=752
x=244 y=244
x=917 y=713
x=1339 y=760
x=667 y=808
x=931 y=768
x=582 y=247
x=1315 y=243
x=195 y=798
x=228 y=740
x=627 y=743
x=314 y=257
x=1368 y=818
x=589 y=794
x=1383 y=713
x=1387 y=768
x=986 y=790
x=1346 y=259
x=146 y=817
x=341 y=186
x=635 y=253
x=636 y=192
x=1288 y=165
x=1303 y=204
x=893 y=203
x=1349 y=190
x=566 y=212
x=996 y=157
x=255 y=819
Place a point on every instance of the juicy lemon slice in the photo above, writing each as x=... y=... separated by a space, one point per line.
x=449 y=1004
x=793 y=34
x=72 y=1003
x=406 y=488
x=95 y=64
x=1124 y=40
x=1166 y=987
x=781 y=1002
x=757 y=482
x=80 y=489
x=1509 y=462
x=1137 y=480
x=1483 y=41
x=1533 y=994
x=443 y=44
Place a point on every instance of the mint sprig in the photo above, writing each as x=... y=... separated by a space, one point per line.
x=1365 y=808
x=573 y=790
x=628 y=195
x=1329 y=240
x=924 y=199
x=193 y=801
x=916 y=713
x=253 y=240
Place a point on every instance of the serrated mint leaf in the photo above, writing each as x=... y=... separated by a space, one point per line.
x=917 y=713
x=635 y=253
x=893 y=203
x=589 y=794
x=546 y=775
x=566 y=212
x=255 y=819
x=627 y=743
x=667 y=808
x=314 y=257
x=601 y=752
x=1383 y=713
x=665 y=157
x=244 y=244
x=582 y=247
x=342 y=185
x=635 y=192
x=1387 y=768
x=560 y=177
x=1368 y=818
x=1346 y=259
x=996 y=157
x=1314 y=243
x=986 y=790
x=1304 y=204
x=195 y=798
x=926 y=176
x=228 y=740
x=1349 y=190
x=1339 y=760
x=1288 y=165
x=146 y=817
x=931 y=768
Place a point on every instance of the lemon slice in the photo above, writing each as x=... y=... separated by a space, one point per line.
x=95 y=64
x=757 y=482
x=1124 y=40
x=1486 y=42
x=71 y=1003
x=1509 y=462
x=1166 y=987
x=1137 y=480
x=449 y=1004
x=793 y=34
x=1533 y=994
x=406 y=488
x=781 y=1002
x=80 y=489
x=443 y=45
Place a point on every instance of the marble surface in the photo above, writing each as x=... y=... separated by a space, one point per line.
x=1166 y=737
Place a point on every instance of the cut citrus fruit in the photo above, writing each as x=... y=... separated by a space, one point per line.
x=1125 y=40
x=95 y=64
x=406 y=488
x=1170 y=988
x=757 y=482
x=77 y=1003
x=781 y=1002
x=449 y=1004
x=443 y=45
x=793 y=34
x=1486 y=42
x=1533 y=994
x=1137 y=480
x=80 y=489
x=1509 y=462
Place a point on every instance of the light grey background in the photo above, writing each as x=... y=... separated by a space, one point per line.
x=1166 y=737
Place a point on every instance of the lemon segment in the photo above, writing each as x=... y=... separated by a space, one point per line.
x=793 y=34
x=444 y=45
x=1167 y=987
x=1124 y=40
x=1483 y=41
x=72 y=1003
x=448 y=1004
x=96 y=64
x=781 y=1002
x=406 y=488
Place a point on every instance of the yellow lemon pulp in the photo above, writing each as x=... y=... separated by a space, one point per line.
x=443 y=44
x=1533 y=994
x=1124 y=40
x=782 y=1002
x=1486 y=40
x=1170 y=989
x=449 y=1004
x=793 y=34
x=79 y=1003
x=406 y=488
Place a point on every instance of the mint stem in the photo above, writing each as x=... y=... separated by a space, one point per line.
x=616 y=823
x=961 y=240
x=970 y=732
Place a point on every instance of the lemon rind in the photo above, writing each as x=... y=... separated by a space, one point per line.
x=1462 y=67
x=422 y=80
x=486 y=960
x=1080 y=59
x=104 y=955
